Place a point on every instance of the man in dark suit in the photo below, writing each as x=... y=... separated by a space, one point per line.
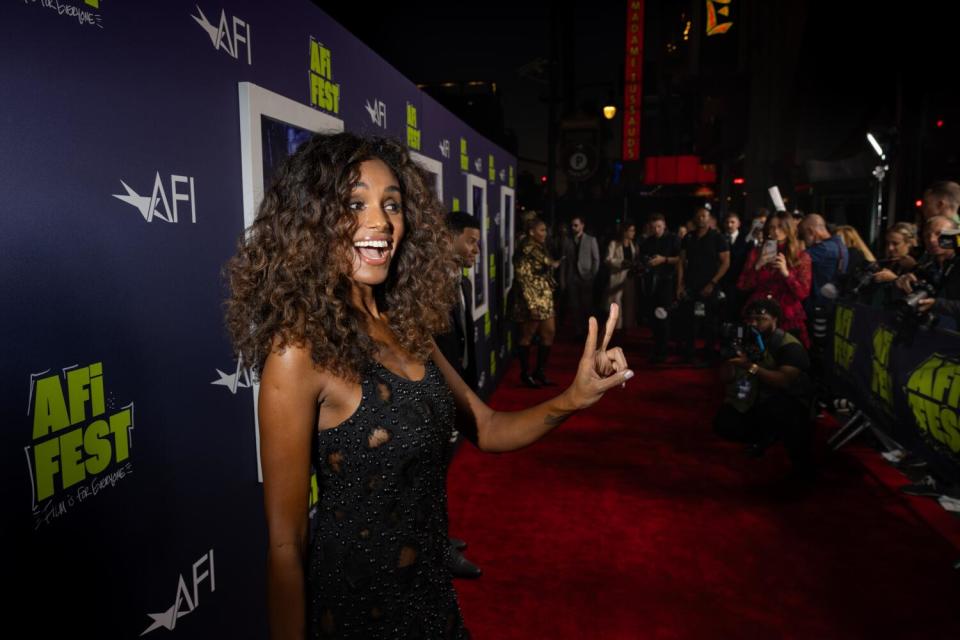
x=581 y=262
x=739 y=250
x=457 y=346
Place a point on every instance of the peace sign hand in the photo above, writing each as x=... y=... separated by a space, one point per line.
x=600 y=369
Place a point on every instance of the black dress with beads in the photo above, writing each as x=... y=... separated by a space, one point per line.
x=377 y=564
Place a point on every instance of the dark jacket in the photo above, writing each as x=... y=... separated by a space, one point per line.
x=452 y=343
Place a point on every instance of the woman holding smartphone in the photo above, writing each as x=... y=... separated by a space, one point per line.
x=780 y=269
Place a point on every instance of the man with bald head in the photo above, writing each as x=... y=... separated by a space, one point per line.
x=828 y=256
x=941 y=199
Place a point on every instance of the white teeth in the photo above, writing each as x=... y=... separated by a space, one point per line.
x=378 y=244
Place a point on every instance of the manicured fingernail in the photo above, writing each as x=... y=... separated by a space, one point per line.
x=627 y=374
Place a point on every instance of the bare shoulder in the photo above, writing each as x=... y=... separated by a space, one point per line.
x=292 y=367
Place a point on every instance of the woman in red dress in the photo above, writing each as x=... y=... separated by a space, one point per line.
x=784 y=276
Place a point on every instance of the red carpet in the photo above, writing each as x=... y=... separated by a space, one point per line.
x=633 y=521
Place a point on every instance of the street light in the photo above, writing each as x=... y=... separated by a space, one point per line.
x=876 y=146
x=609 y=111
x=879 y=172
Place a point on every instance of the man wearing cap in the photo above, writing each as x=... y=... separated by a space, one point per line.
x=768 y=390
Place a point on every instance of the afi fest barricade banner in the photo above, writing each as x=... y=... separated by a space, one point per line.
x=910 y=389
x=135 y=142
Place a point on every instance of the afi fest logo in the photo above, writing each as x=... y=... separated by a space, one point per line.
x=158 y=205
x=933 y=394
x=228 y=35
x=185 y=600
x=80 y=443
x=324 y=92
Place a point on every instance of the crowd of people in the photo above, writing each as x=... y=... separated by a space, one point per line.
x=768 y=283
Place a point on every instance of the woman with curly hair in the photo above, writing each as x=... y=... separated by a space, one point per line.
x=784 y=274
x=336 y=289
x=533 y=303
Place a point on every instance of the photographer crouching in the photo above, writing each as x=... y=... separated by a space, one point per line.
x=768 y=390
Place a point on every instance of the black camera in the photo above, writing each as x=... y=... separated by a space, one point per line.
x=948 y=239
x=922 y=289
x=863 y=277
x=738 y=338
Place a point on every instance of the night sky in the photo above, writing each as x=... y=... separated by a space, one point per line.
x=856 y=67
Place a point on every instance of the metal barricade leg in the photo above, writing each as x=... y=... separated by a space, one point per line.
x=849 y=424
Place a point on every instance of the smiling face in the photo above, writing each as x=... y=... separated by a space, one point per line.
x=378 y=205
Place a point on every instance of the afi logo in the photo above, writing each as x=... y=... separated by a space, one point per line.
x=378 y=113
x=478 y=165
x=157 y=204
x=229 y=35
x=183 y=603
x=239 y=379
x=445 y=148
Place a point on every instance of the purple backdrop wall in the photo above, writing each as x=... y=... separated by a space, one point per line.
x=131 y=500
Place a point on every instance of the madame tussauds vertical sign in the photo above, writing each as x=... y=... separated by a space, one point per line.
x=79 y=445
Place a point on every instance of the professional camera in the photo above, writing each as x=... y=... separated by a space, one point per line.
x=949 y=239
x=922 y=289
x=909 y=318
x=863 y=277
x=738 y=338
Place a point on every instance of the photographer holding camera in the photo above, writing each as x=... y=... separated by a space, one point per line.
x=935 y=284
x=768 y=390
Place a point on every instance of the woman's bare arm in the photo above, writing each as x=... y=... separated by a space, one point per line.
x=497 y=431
x=289 y=389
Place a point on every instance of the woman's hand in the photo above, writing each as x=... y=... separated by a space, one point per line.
x=884 y=275
x=600 y=369
x=780 y=263
x=762 y=261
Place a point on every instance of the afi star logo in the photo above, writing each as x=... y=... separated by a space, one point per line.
x=239 y=379
x=183 y=603
x=378 y=113
x=157 y=204
x=229 y=35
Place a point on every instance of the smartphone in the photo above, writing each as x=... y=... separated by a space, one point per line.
x=769 y=250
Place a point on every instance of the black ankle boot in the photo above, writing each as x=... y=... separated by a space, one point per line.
x=543 y=353
x=523 y=353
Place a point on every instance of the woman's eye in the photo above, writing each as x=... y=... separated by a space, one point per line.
x=356 y=205
x=392 y=207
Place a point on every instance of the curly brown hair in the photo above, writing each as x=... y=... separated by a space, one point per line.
x=290 y=281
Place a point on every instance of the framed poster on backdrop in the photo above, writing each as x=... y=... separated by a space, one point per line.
x=434 y=168
x=480 y=274
x=272 y=127
x=507 y=230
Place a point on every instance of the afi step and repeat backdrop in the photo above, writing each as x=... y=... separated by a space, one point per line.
x=135 y=142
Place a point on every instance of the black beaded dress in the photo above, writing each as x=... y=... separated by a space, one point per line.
x=377 y=564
